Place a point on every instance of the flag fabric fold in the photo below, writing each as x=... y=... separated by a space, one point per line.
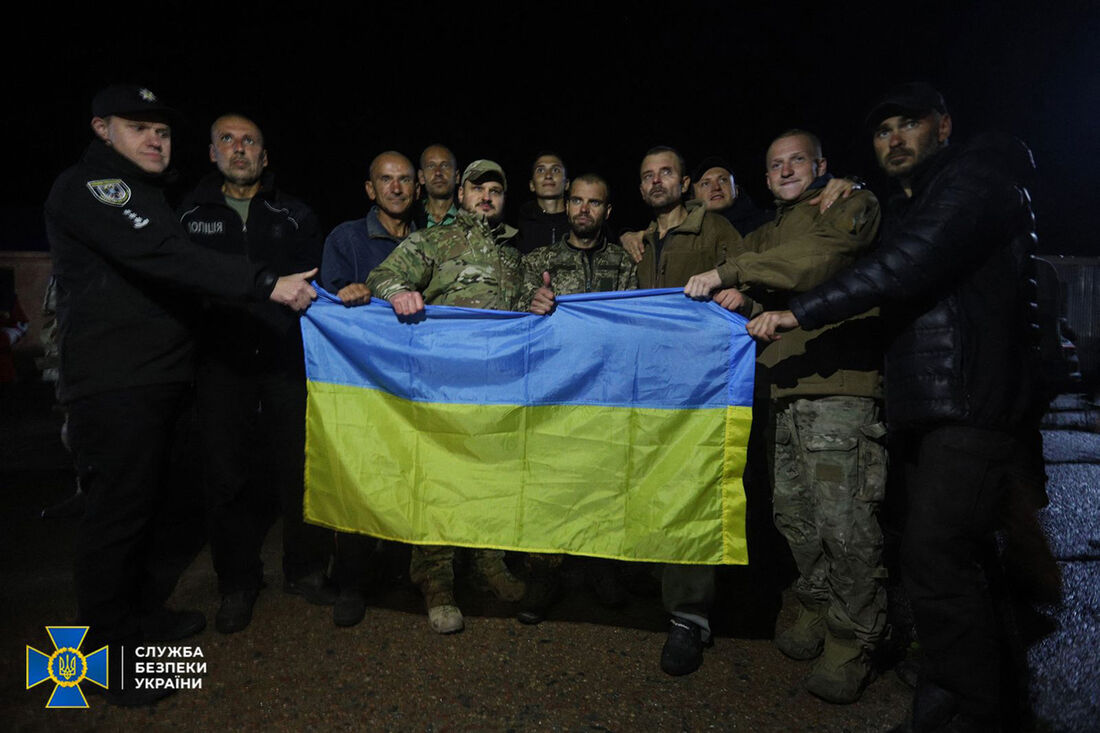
x=614 y=427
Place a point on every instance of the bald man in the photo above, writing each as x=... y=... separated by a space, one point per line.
x=250 y=355
x=354 y=248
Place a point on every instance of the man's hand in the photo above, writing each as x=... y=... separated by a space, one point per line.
x=543 y=302
x=294 y=291
x=701 y=285
x=634 y=245
x=731 y=299
x=835 y=189
x=765 y=326
x=354 y=294
x=407 y=303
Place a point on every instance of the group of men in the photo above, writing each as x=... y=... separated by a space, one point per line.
x=947 y=270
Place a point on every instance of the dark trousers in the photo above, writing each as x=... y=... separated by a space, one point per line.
x=141 y=526
x=957 y=480
x=253 y=436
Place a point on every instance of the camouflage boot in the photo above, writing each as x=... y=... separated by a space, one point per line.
x=806 y=636
x=432 y=569
x=497 y=577
x=842 y=672
x=444 y=616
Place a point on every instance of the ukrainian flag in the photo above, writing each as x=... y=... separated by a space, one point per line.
x=615 y=427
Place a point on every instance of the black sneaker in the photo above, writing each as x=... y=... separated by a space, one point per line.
x=683 y=651
x=165 y=625
x=235 y=612
x=315 y=588
x=350 y=607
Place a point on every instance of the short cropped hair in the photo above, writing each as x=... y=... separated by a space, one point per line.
x=544 y=154
x=594 y=179
x=815 y=141
x=680 y=162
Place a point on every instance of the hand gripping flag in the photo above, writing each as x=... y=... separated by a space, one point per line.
x=615 y=427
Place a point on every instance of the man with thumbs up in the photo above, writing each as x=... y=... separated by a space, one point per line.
x=584 y=260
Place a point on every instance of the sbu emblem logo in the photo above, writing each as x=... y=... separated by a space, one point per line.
x=66 y=667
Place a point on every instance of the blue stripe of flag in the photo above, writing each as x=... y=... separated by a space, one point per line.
x=646 y=348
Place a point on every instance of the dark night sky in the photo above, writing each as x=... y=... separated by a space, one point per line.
x=334 y=87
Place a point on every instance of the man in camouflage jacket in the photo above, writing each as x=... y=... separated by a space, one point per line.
x=471 y=264
x=582 y=261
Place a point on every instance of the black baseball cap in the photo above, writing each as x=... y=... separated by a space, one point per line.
x=130 y=99
x=912 y=99
x=706 y=164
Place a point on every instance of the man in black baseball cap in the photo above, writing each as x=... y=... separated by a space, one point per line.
x=909 y=124
x=126 y=277
x=713 y=183
x=952 y=275
x=132 y=101
x=912 y=99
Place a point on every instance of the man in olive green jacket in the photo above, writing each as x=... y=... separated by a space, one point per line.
x=829 y=468
x=684 y=238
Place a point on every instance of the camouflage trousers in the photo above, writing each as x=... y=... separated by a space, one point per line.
x=432 y=568
x=830 y=476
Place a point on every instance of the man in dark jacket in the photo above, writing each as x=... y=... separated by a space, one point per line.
x=543 y=222
x=951 y=277
x=124 y=269
x=713 y=184
x=352 y=250
x=251 y=382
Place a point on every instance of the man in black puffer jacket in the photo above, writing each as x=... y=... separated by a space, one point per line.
x=951 y=276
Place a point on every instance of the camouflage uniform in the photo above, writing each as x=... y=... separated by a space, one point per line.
x=830 y=475
x=468 y=264
x=830 y=465
x=604 y=268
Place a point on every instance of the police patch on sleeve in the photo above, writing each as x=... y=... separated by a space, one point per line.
x=110 y=191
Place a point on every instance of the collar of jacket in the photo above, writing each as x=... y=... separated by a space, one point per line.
x=928 y=169
x=532 y=210
x=375 y=229
x=812 y=190
x=501 y=233
x=209 y=190
x=100 y=153
x=600 y=243
x=692 y=224
x=782 y=207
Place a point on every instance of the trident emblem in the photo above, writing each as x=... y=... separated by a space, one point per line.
x=67 y=667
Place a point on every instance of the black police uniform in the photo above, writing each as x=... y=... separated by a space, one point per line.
x=124 y=270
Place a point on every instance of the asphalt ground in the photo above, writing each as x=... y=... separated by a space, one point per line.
x=584 y=668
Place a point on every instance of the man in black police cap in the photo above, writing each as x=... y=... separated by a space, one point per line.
x=126 y=274
x=952 y=277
